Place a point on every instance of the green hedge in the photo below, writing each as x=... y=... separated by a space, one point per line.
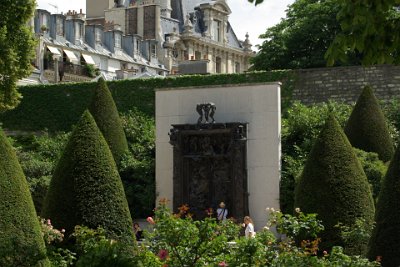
x=58 y=107
x=86 y=188
x=105 y=113
x=21 y=243
x=333 y=185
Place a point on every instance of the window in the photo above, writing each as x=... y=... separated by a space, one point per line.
x=137 y=47
x=197 y=55
x=153 y=50
x=237 y=67
x=118 y=40
x=217 y=65
x=60 y=26
x=98 y=35
x=216 y=36
x=44 y=20
x=79 y=30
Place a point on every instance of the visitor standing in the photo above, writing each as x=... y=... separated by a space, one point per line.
x=222 y=212
x=249 y=227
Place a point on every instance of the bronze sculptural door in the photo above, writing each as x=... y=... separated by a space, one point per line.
x=210 y=167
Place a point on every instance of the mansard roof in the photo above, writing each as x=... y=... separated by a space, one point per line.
x=181 y=8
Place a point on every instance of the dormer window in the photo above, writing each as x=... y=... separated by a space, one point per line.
x=98 y=35
x=60 y=26
x=216 y=35
x=117 y=40
x=44 y=21
x=153 y=50
x=79 y=31
x=137 y=47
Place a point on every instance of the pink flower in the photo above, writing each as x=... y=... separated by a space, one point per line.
x=163 y=254
x=48 y=222
x=150 y=220
x=62 y=230
x=222 y=264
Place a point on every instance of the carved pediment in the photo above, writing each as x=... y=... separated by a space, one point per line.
x=222 y=6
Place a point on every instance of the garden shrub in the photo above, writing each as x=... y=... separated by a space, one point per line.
x=137 y=168
x=301 y=125
x=385 y=238
x=105 y=114
x=21 y=243
x=86 y=188
x=373 y=168
x=38 y=156
x=179 y=240
x=367 y=128
x=333 y=184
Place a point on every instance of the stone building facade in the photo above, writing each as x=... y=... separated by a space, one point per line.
x=186 y=36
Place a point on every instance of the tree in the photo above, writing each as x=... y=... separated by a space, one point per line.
x=334 y=186
x=21 y=242
x=86 y=188
x=105 y=113
x=386 y=234
x=301 y=39
x=371 y=28
x=16 y=48
x=367 y=128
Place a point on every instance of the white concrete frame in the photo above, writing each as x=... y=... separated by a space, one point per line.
x=256 y=104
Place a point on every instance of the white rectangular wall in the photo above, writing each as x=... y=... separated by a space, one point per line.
x=256 y=104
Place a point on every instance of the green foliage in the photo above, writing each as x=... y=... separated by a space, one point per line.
x=105 y=114
x=38 y=156
x=57 y=107
x=374 y=169
x=333 y=184
x=96 y=250
x=385 y=238
x=137 y=168
x=298 y=227
x=391 y=111
x=301 y=39
x=86 y=188
x=181 y=241
x=20 y=241
x=264 y=250
x=366 y=127
x=301 y=125
x=52 y=237
x=370 y=28
x=355 y=235
x=17 y=46
x=91 y=70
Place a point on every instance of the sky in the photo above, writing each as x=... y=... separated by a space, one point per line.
x=245 y=16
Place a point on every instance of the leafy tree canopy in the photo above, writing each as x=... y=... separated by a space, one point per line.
x=301 y=39
x=16 y=48
x=371 y=28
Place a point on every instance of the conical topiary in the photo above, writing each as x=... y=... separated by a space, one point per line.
x=86 y=188
x=385 y=238
x=367 y=128
x=105 y=113
x=21 y=242
x=333 y=185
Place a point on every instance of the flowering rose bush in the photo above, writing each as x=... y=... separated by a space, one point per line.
x=178 y=240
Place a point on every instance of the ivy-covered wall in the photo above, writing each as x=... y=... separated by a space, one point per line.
x=58 y=107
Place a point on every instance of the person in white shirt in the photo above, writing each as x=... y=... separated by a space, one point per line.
x=222 y=212
x=249 y=230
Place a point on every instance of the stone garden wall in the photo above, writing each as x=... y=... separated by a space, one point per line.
x=345 y=83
